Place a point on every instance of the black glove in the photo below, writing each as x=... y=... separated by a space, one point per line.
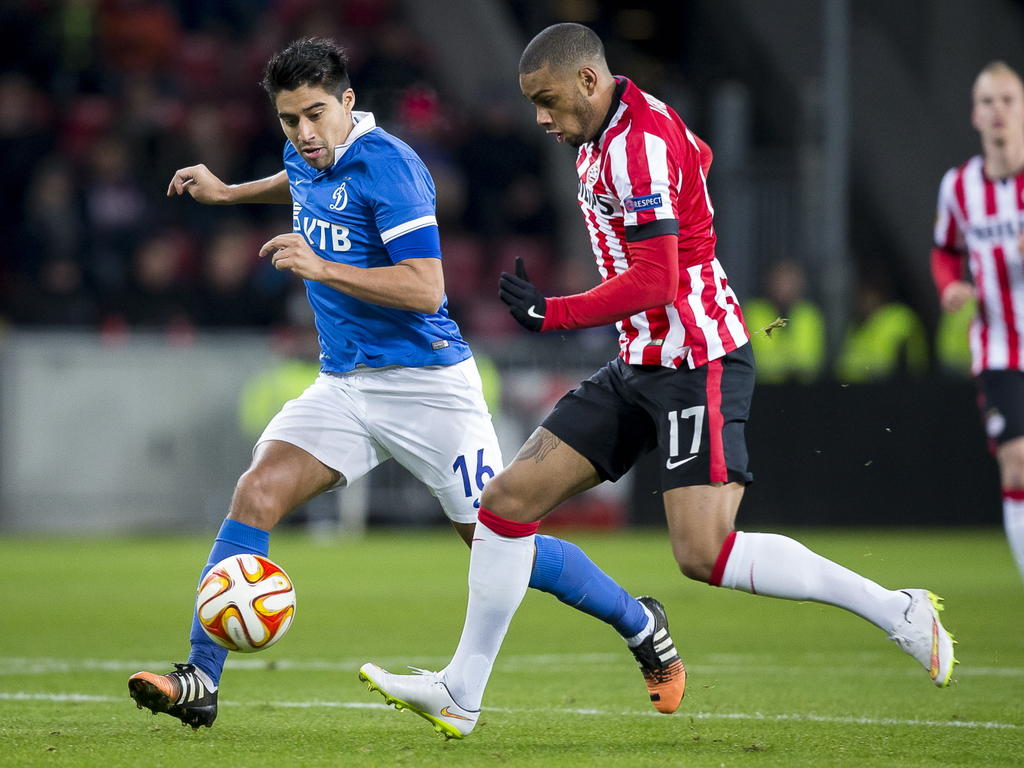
x=524 y=301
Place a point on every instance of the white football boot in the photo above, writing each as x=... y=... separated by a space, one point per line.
x=423 y=693
x=922 y=635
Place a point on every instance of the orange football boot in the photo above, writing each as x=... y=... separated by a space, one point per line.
x=186 y=693
x=663 y=670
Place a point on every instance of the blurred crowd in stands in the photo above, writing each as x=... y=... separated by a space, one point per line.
x=885 y=338
x=101 y=100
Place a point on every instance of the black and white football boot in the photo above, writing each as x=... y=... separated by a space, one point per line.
x=187 y=693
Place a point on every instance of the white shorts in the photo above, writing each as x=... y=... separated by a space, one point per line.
x=432 y=420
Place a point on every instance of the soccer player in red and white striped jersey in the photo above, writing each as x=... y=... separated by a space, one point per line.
x=681 y=386
x=643 y=193
x=981 y=221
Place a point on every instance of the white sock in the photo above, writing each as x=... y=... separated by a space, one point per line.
x=769 y=564
x=1013 y=522
x=207 y=681
x=499 y=573
x=644 y=633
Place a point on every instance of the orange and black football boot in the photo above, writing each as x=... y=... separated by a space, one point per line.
x=663 y=670
x=187 y=693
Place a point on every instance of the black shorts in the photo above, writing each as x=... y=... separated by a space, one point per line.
x=1001 y=400
x=694 y=418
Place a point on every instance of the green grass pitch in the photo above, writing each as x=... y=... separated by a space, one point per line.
x=772 y=683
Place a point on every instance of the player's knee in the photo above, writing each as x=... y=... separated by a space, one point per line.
x=695 y=564
x=1011 y=465
x=495 y=495
x=254 y=501
x=500 y=497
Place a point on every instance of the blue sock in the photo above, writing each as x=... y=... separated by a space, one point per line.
x=564 y=570
x=234 y=538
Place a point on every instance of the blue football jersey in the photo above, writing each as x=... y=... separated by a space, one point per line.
x=377 y=191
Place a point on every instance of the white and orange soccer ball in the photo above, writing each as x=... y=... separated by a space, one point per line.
x=246 y=603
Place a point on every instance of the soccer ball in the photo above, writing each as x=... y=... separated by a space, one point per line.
x=246 y=603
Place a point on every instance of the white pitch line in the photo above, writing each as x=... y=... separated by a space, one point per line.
x=28 y=665
x=82 y=698
x=41 y=666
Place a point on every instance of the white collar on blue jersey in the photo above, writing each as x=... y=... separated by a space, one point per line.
x=364 y=123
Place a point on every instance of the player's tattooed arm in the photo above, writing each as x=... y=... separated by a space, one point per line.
x=540 y=444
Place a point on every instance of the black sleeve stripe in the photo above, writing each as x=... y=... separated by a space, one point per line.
x=652 y=229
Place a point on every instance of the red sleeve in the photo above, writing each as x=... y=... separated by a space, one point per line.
x=652 y=280
x=706 y=155
x=947 y=267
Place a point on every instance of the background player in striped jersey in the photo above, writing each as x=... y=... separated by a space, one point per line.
x=397 y=379
x=682 y=385
x=981 y=218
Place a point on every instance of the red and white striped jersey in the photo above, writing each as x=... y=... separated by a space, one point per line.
x=642 y=177
x=984 y=219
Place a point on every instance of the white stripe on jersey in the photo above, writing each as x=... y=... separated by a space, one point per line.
x=722 y=298
x=974 y=192
x=675 y=339
x=657 y=163
x=604 y=240
x=975 y=332
x=947 y=215
x=409 y=226
x=1006 y=200
x=621 y=182
x=700 y=170
x=705 y=324
x=657 y=105
x=635 y=349
x=998 y=351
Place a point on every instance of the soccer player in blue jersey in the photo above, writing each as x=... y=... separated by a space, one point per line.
x=397 y=379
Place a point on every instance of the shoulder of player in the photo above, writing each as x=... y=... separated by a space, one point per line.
x=645 y=114
x=972 y=166
x=386 y=151
x=631 y=136
x=645 y=107
x=387 y=145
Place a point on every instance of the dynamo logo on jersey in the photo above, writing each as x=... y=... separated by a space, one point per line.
x=339 y=198
x=644 y=203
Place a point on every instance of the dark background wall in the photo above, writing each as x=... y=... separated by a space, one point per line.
x=898 y=453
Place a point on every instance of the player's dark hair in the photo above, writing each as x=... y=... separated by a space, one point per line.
x=561 y=45
x=311 y=61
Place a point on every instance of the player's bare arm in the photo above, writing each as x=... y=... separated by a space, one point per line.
x=205 y=187
x=416 y=285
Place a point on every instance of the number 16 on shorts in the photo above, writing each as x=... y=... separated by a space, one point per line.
x=480 y=476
